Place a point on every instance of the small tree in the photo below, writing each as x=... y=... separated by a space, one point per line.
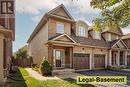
x=46 y=68
x=21 y=53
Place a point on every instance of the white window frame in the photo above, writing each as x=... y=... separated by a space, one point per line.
x=62 y=60
x=82 y=31
x=109 y=37
x=97 y=36
x=60 y=28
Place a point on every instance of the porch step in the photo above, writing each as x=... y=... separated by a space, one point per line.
x=62 y=71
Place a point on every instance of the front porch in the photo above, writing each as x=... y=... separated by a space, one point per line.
x=118 y=54
x=118 y=58
x=60 y=57
x=60 y=52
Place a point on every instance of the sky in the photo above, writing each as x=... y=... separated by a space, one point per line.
x=29 y=13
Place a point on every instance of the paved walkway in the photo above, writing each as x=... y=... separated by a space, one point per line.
x=38 y=76
x=56 y=77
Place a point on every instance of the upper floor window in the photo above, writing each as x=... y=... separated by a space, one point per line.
x=82 y=31
x=60 y=28
x=97 y=35
x=109 y=37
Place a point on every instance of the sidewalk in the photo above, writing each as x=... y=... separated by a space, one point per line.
x=56 y=77
x=38 y=76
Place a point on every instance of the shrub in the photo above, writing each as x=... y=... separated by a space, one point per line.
x=46 y=68
x=34 y=65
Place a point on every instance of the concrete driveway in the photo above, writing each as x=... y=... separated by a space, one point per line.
x=108 y=73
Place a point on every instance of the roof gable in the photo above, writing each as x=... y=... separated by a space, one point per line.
x=64 y=38
x=116 y=46
x=61 y=11
x=120 y=44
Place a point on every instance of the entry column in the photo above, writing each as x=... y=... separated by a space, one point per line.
x=92 y=59
x=1 y=58
x=110 y=57
x=118 y=58
x=126 y=58
x=71 y=57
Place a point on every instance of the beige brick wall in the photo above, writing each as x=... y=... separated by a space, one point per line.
x=1 y=58
x=100 y=51
x=78 y=49
x=52 y=27
x=37 y=48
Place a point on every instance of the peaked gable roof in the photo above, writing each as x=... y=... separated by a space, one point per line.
x=60 y=11
x=119 y=43
x=63 y=37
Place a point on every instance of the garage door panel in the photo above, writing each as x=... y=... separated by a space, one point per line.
x=81 y=61
x=128 y=60
x=99 y=61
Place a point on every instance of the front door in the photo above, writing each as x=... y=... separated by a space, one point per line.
x=59 y=58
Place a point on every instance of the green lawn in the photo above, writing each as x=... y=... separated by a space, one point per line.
x=32 y=82
x=23 y=72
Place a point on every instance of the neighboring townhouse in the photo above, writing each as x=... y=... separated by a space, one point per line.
x=67 y=43
x=7 y=31
x=126 y=39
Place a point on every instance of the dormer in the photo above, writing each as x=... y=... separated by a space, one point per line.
x=112 y=34
x=81 y=29
x=96 y=34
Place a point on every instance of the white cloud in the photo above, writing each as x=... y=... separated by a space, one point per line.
x=37 y=18
x=34 y=6
x=126 y=30
x=79 y=8
x=84 y=6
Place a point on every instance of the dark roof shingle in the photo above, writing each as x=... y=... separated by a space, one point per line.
x=89 y=41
